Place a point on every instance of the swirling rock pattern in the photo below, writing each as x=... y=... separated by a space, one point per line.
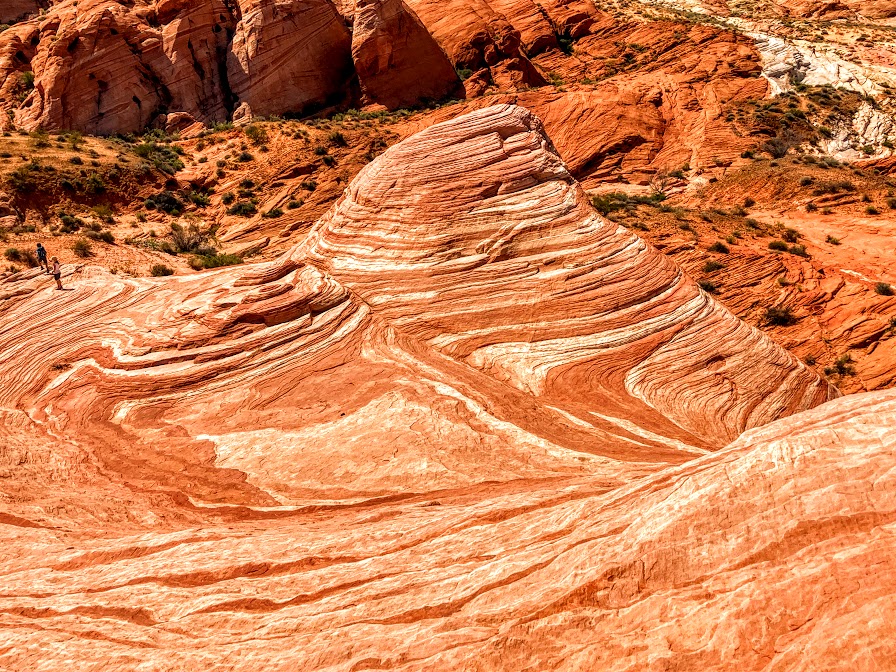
x=511 y=271
x=466 y=424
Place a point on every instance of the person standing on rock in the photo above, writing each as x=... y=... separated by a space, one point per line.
x=42 y=257
x=57 y=272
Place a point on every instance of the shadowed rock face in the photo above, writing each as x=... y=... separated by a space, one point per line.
x=466 y=424
x=397 y=60
x=288 y=55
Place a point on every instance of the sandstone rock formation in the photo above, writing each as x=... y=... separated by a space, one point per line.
x=15 y=10
x=289 y=55
x=465 y=424
x=397 y=61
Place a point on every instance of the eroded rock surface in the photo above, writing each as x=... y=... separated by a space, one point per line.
x=397 y=60
x=467 y=424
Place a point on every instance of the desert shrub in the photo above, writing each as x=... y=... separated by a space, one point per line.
x=791 y=235
x=749 y=202
x=607 y=203
x=39 y=138
x=336 y=138
x=883 y=288
x=708 y=286
x=778 y=246
x=26 y=81
x=164 y=157
x=273 y=213
x=161 y=270
x=245 y=157
x=780 y=316
x=199 y=199
x=190 y=238
x=165 y=201
x=464 y=73
x=778 y=146
x=25 y=179
x=293 y=204
x=82 y=248
x=26 y=257
x=798 y=250
x=228 y=198
x=308 y=185
x=257 y=135
x=806 y=181
x=712 y=266
x=242 y=209
x=200 y=262
x=871 y=210
x=103 y=236
x=842 y=366
x=811 y=207
x=834 y=187
x=70 y=223
x=719 y=247
x=832 y=240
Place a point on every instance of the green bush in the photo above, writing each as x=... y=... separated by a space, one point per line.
x=22 y=256
x=798 y=250
x=200 y=262
x=712 y=266
x=103 y=236
x=165 y=201
x=199 y=199
x=82 y=248
x=242 y=209
x=273 y=213
x=780 y=316
x=842 y=367
x=163 y=157
x=256 y=134
x=719 y=247
x=791 y=235
x=883 y=288
x=778 y=246
x=161 y=270
x=832 y=240
x=190 y=238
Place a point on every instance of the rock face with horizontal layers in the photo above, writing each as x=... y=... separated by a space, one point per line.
x=397 y=61
x=467 y=424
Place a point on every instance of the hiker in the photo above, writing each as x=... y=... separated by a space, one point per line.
x=57 y=272
x=42 y=258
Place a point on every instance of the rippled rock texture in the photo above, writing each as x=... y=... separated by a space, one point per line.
x=466 y=424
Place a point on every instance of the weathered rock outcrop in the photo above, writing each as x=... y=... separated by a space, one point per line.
x=467 y=424
x=397 y=60
x=16 y=10
x=287 y=56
